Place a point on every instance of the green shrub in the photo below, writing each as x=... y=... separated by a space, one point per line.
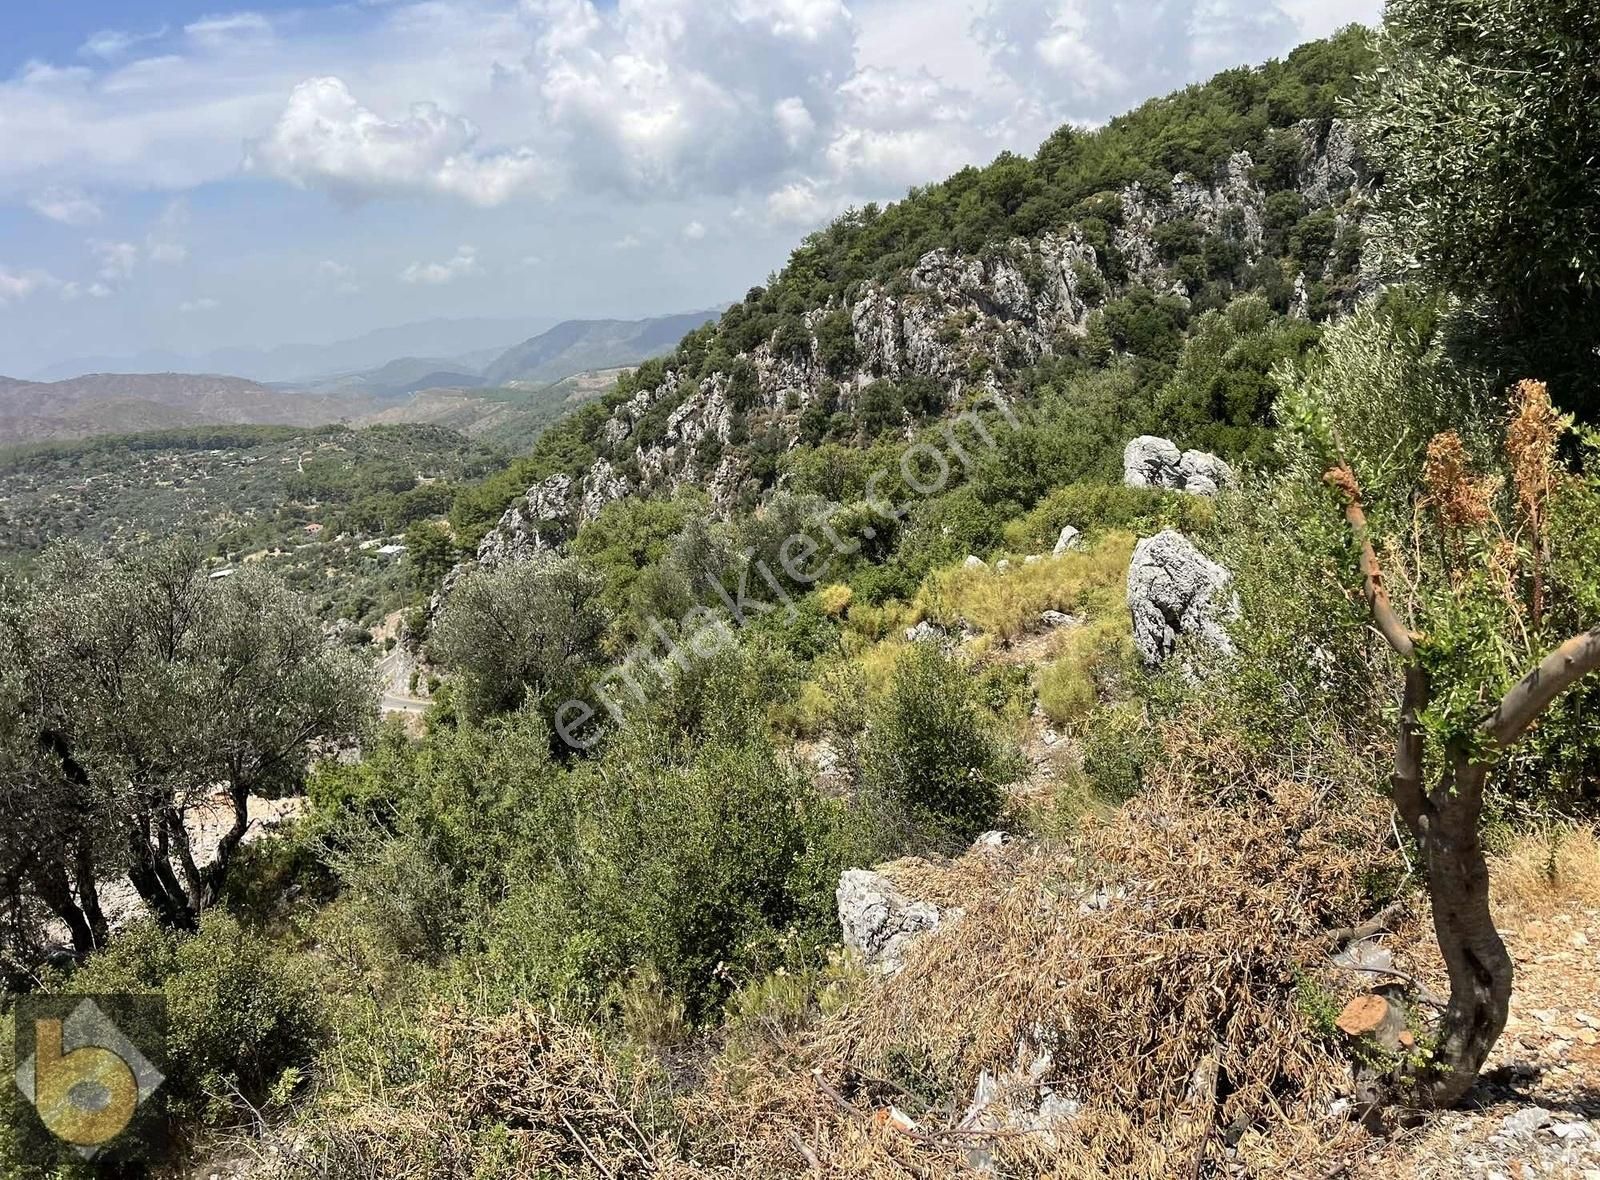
x=932 y=765
x=240 y=1012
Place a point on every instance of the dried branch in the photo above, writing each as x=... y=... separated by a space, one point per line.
x=1394 y=632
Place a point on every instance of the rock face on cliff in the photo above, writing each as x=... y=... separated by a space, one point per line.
x=963 y=320
x=960 y=323
x=1151 y=462
x=1174 y=590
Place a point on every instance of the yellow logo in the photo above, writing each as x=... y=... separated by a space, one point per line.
x=85 y=1078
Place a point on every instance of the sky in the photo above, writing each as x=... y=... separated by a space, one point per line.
x=176 y=174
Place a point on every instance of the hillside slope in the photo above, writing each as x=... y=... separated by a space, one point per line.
x=1106 y=252
x=109 y=403
x=579 y=345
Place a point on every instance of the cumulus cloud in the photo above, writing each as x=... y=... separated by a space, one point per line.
x=463 y=264
x=327 y=139
x=1093 y=58
x=694 y=231
x=68 y=206
x=678 y=96
x=204 y=303
x=794 y=122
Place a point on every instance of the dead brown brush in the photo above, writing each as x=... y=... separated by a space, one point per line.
x=1157 y=958
x=1546 y=869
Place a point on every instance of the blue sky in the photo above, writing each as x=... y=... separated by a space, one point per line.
x=186 y=175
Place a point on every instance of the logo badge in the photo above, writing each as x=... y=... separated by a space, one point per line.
x=84 y=1075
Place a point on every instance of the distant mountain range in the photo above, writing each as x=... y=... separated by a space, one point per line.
x=574 y=346
x=113 y=403
x=471 y=343
x=577 y=345
x=506 y=395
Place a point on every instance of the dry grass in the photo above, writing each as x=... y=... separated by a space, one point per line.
x=1007 y=605
x=521 y=1095
x=1171 y=1013
x=1545 y=869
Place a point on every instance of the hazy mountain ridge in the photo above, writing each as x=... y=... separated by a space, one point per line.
x=577 y=346
x=102 y=403
x=465 y=341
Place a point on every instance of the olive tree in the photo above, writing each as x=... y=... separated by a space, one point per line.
x=523 y=630
x=146 y=702
x=1480 y=121
x=1514 y=566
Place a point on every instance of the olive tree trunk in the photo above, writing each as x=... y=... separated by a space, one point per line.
x=1445 y=824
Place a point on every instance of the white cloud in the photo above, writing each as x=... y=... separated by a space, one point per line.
x=110 y=44
x=463 y=264
x=117 y=259
x=794 y=121
x=230 y=31
x=694 y=231
x=1093 y=58
x=798 y=203
x=17 y=285
x=68 y=206
x=326 y=139
x=164 y=242
x=204 y=303
x=627 y=242
x=676 y=96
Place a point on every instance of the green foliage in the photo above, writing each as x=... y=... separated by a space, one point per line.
x=523 y=631
x=1505 y=209
x=432 y=551
x=630 y=535
x=1221 y=394
x=240 y=1012
x=930 y=760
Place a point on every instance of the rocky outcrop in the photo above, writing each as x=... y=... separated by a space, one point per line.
x=1203 y=474
x=879 y=921
x=965 y=320
x=602 y=484
x=1070 y=538
x=1151 y=462
x=1174 y=591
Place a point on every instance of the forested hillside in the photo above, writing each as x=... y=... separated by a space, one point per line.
x=1088 y=672
x=1098 y=258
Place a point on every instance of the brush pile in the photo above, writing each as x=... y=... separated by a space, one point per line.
x=1139 y=1001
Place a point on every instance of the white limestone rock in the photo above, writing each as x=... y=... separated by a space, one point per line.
x=1174 y=590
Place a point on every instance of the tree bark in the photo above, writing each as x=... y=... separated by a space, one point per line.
x=51 y=883
x=83 y=874
x=1479 y=967
x=1445 y=824
x=152 y=877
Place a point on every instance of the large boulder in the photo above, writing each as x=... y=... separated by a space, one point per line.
x=1175 y=590
x=878 y=920
x=1203 y=474
x=1151 y=462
